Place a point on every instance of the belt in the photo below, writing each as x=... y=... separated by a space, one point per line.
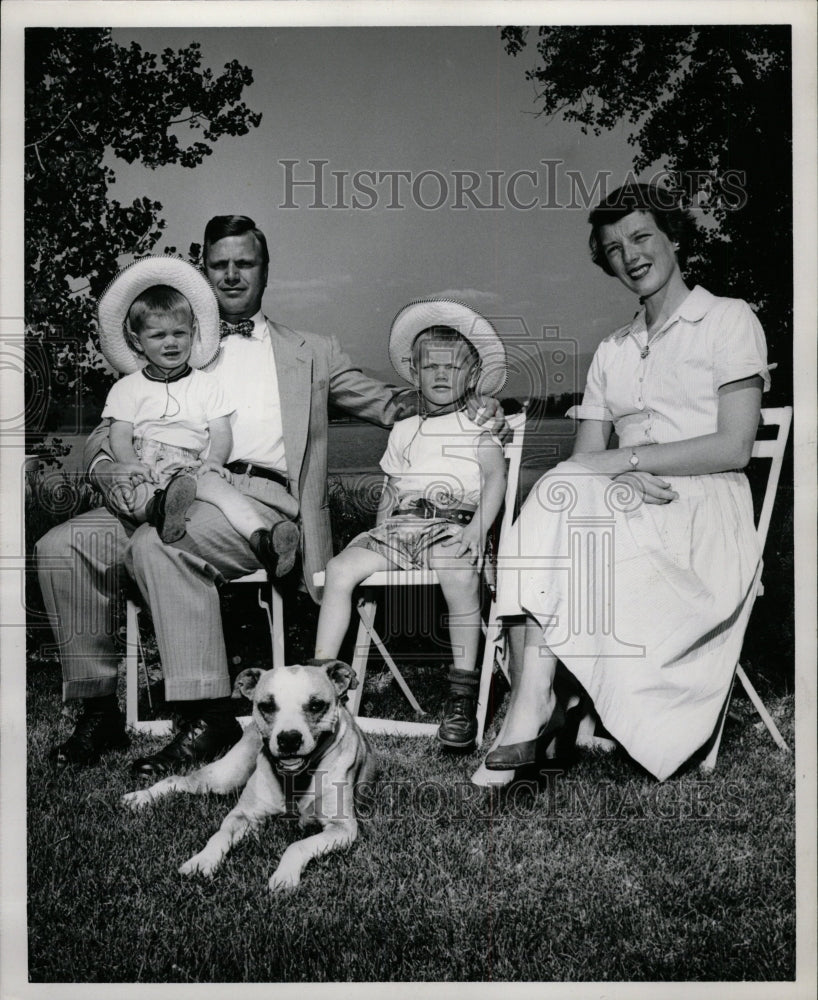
x=427 y=510
x=246 y=469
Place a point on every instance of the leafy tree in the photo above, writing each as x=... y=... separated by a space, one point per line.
x=85 y=97
x=711 y=105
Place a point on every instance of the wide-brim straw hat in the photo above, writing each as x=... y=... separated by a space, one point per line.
x=115 y=301
x=417 y=316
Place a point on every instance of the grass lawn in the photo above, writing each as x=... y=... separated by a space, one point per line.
x=588 y=871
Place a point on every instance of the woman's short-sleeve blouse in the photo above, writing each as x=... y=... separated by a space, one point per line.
x=672 y=393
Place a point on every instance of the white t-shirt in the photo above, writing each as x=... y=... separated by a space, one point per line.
x=436 y=458
x=175 y=412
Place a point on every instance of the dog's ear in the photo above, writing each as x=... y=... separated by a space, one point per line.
x=341 y=674
x=245 y=683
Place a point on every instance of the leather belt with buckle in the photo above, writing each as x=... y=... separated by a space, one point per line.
x=427 y=510
x=247 y=469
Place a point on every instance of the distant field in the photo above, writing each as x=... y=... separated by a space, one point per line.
x=358 y=446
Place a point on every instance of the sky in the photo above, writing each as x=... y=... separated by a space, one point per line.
x=439 y=100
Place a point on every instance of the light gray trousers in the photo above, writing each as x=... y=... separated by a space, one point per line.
x=79 y=565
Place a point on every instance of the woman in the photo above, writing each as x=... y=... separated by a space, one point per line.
x=636 y=565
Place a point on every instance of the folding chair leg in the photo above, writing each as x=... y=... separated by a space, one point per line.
x=360 y=658
x=709 y=762
x=366 y=612
x=274 y=609
x=490 y=651
x=759 y=707
x=132 y=664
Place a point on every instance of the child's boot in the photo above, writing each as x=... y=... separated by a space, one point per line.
x=458 y=730
x=167 y=508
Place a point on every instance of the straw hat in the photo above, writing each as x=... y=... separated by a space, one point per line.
x=417 y=316
x=115 y=301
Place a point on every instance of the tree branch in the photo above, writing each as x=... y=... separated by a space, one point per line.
x=190 y=118
x=57 y=128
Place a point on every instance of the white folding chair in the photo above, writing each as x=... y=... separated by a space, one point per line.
x=268 y=598
x=773 y=449
x=367 y=606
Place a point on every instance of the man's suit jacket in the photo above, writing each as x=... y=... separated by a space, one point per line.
x=312 y=371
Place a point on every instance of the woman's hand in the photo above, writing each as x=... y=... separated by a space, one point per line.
x=649 y=488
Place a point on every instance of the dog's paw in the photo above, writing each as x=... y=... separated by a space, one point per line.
x=136 y=800
x=284 y=880
x=199 y=864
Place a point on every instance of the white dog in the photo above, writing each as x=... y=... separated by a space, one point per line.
x=301 y=749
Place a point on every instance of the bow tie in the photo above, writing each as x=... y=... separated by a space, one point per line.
x=244 y=328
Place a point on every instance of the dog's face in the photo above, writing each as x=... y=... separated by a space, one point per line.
x=296 y=707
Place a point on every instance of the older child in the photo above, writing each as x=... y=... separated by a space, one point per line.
x=446 y=480
x=170 y=424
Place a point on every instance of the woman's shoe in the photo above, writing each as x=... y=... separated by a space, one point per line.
x=514 y=755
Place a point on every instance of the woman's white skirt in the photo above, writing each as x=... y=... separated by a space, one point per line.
x=645 y=604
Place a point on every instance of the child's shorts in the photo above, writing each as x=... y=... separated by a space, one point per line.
x=165 y=459
x=405 y=540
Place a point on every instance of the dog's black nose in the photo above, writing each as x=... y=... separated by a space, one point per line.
x=289 y=741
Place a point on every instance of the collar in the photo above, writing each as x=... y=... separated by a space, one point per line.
x=173 y=378
x=694 y=307
x=259 y=322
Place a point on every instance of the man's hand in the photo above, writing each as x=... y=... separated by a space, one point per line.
x=649 y=488
x=488 y=411
x=217 y=467
x=121 y=472
x=117 y=482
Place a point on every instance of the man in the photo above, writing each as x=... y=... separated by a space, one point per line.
x=280 y=383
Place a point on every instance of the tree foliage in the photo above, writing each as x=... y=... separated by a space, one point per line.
x=711 y=106
x=87 y=99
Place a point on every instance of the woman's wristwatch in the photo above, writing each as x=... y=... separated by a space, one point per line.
x=634 y=459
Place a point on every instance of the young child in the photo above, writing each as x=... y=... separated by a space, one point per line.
x=170 y=423
x=445 y=485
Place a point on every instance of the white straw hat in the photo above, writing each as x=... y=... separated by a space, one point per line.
x=115 y=301
x=417 y=316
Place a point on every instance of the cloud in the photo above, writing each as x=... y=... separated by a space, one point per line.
x=307 y=291
x=326 y=281
x=470 y=296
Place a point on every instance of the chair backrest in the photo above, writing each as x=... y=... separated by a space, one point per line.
x=772 y=448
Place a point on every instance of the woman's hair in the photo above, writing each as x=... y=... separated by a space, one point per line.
x=442 y=335
x=663 y=204
x=222 y=226
x=156 y=299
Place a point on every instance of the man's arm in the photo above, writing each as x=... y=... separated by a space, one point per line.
x=366 y=397
x=97 y=445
